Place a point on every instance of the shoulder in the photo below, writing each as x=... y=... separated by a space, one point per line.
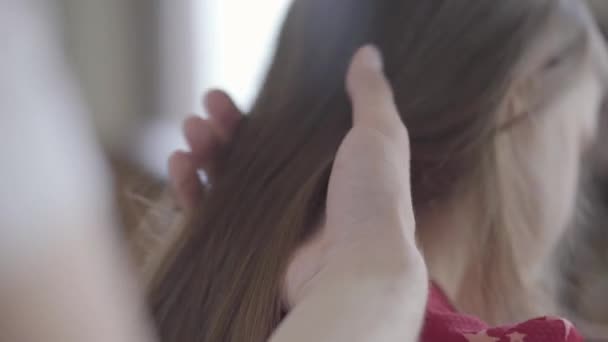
x=444 y=323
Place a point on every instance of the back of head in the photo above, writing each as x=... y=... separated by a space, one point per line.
x=450 y=63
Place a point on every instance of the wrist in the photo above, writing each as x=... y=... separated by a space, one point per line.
x=403 y=270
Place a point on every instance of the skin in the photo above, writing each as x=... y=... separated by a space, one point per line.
x=99 y=285
x=67 y=281
x=371 y=94
x=367 y=240
x=63 y=269
x=322 y=308
x=554 y=107
x=206 y=139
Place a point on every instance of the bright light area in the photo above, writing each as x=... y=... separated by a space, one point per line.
x=236 y=40
x=233 y=44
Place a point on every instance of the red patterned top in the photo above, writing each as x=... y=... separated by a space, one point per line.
x=444 y=324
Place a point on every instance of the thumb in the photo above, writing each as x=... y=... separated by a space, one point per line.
x=370 y=92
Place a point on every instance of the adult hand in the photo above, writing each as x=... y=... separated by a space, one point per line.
x=365 y=256
x=362 y=277
x=206 y=138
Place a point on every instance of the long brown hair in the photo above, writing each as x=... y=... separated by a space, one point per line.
x=450 y=63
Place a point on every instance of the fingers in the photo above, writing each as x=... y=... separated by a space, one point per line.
x=203 y=140
x=370 y=92
x=206 y=138
x=224 y=114
x=185 y=182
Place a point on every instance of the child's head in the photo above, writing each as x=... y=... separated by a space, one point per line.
x=499 y=98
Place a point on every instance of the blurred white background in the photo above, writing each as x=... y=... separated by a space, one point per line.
x=230 y=44
x=143 y=65
x=235 y=39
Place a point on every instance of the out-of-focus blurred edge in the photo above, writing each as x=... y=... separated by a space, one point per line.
x=600 y=9
x=64 y=273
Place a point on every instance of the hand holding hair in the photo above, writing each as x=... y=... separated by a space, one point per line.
x=362 y=277
x=206 y=138
x=363 y=268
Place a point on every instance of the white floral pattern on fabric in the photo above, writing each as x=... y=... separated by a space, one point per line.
x=516 y=337
x=568 y=326
x=443 y=323
x=481 y=336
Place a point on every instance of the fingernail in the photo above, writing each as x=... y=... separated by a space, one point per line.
x=371 y=57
